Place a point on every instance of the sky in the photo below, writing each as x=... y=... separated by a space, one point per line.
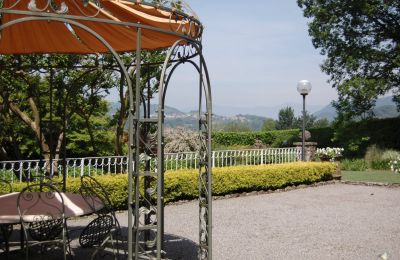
x=256 y=52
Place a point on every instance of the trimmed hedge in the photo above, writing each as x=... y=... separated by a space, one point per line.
x=357 y=136
x=182 y=184
x=277 y=138
x=323 y=136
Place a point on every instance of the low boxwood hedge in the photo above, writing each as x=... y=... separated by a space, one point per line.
x=183 y=184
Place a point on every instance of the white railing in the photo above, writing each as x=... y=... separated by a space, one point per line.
x=75 y=167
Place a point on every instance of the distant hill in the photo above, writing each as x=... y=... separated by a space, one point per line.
x=262 y=111
x=175 y=117
x=384 y=108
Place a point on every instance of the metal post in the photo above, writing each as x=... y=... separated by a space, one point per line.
x=303 y=157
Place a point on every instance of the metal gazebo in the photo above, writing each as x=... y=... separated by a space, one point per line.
x=115 y=27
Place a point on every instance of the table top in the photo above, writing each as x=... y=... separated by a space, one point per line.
x=75 y=205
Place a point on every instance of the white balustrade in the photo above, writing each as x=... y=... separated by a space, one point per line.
x=75 y=167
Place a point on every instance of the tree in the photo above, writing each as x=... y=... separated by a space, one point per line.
x=45 y=92
x=321 y=123
x=360 y=39
x=149 y=86
x=309 y=121
x=236 y=126
x=286 y=119
x=269 y=125
x=181 y=139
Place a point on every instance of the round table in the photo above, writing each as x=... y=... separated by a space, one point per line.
x=75 y=205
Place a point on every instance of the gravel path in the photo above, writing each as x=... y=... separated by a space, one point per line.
x=327 y=222
x=336 y=221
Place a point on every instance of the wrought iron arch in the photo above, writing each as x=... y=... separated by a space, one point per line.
x=205 y=174
x=148 y=235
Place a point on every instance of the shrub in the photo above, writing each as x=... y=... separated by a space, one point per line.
x=378 y=159
x=395 y=165
x=323 y=136
x=355 y=137
x=389 y=155
x=276 y=138
x=227 y=180
x=183 y=184
x=354 y=165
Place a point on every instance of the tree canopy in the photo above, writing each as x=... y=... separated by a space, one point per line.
x=361 y=42
x=286 y=118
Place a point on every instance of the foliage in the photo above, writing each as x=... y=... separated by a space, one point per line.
x=323 y=136
x=236 y=126
x=271 y=138
x=355 y=137
x=328 y=153
x=360 y=41
x=183 y=184
x=181 y=139
x=269 y=125
x=395 y=165
x=46 y=93
x=380 y=159
x=149 y=86
x=373 y=154
x=308 y=122
x=390 y=154
x=286 y=119
x=227 y=180
x=354 y=165
x=321 y=123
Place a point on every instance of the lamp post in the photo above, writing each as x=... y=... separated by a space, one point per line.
x=303 y=87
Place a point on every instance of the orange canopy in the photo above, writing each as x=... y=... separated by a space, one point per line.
x=49 y=36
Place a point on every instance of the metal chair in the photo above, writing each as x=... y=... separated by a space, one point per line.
x=105 y=227
x=5 y=229
x=42 y=214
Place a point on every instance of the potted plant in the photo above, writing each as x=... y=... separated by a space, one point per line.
x=332 y=154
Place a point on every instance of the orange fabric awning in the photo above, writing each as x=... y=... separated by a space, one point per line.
x=46 y=36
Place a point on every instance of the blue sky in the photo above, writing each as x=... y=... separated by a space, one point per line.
x=256 y=53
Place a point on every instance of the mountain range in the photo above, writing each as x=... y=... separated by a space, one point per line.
x=384 y=108
x=254 y=117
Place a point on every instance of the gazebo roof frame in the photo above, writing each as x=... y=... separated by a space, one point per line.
x=144 y=238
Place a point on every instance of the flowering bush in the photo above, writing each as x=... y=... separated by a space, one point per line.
x=395 y=165
x=329 y=153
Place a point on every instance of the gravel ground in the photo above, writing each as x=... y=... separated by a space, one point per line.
x=336 y=221
x=327 y=222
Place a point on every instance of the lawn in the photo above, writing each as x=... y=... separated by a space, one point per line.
x=371 y=176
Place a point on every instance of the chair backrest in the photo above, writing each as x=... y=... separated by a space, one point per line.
x=41 y=210
x=92 y=191
x=5 y=187
x=96 y=231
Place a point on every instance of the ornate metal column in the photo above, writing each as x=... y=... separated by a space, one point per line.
x=146 y=210
x=185 y=54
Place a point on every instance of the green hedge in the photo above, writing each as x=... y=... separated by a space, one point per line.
x=323 y=136
x=276 y=138
x=182 y=184
x=357 y=136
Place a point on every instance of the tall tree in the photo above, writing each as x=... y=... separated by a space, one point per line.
x=361 y=42
x=148 y=84
x=286 y=119
x=45 y=91
x=269 y=125
x=308 y=121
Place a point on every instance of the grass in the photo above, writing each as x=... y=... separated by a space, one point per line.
x=371 y=176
